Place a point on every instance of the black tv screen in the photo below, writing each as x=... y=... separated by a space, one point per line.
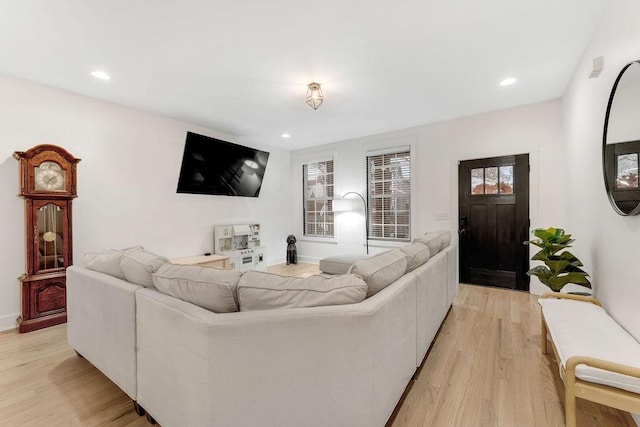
x=212 y=166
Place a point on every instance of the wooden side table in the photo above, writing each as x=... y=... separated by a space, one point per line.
x=219 y=261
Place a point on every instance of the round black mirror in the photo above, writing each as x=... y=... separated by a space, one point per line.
x=621 y=142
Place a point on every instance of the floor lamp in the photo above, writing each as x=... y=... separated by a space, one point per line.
x=345 y=205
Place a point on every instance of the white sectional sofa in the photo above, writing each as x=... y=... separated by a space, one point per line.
x=101 y=324
x=338 y=365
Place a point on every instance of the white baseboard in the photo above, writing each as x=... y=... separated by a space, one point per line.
x=275 y=261
x=282 y=260
x=8 y=322
x=310 y=260
x=636 y=418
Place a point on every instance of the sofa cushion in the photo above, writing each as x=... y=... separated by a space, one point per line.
x=138 y=266
x=416 y=254
x=338 y=264
x=445 y=238
x=432 y=240
x=107 y=261
x=584 y=329
x=265 y=291
x=379 y=271
x=210 y=288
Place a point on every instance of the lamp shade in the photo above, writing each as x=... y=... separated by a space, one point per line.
x=346 y=205
x=342 y=205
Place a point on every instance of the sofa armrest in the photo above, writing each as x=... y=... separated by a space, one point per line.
x=338 y=365
x=101 y=324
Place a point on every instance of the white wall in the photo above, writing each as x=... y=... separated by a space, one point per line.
x=127 y=182
x=535 y=129
x=611 y=241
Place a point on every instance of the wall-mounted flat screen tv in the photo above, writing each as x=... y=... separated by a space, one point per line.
x=212 y=166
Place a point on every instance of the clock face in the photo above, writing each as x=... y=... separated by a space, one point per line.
x=50 y=177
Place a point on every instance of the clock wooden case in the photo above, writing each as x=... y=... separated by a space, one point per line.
x=48 y=186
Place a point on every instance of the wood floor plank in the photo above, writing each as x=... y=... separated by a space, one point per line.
x=484 y=369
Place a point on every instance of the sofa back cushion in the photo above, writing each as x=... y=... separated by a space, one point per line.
x=380 y=270
x=416 y=254
x=265 y=291
x=445 y=238
x=107 y=261
x=432 y=240
x=138 y=266
x=210 y=288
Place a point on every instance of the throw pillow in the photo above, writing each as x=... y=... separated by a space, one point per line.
x=379 y=271
x=210 y=288
x=139 y=265
x=107 y=261
x=416 y=254
x=265 y=291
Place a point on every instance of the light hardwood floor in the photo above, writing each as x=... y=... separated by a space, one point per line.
x=485 y=369
x=299 y=270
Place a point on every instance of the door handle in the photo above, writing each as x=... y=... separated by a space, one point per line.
x=462 y=231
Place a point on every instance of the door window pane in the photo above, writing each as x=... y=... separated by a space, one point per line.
x=477 y=181
x=506 y=179
x=491 y=180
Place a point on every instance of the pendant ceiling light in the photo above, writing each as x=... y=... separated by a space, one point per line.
x=314 y=95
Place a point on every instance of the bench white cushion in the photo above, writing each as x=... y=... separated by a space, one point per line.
x=583 y=329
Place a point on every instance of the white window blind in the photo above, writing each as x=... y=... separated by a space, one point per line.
x=317 y=181
x=389 y=195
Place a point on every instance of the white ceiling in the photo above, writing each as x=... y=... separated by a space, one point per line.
x=242 y=66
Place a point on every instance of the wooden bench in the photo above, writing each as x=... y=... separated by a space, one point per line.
x=598 y=360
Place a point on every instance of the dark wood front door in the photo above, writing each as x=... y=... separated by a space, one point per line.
x=493 y=196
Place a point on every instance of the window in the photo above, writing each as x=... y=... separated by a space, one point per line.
x=317 y=181
x=389 y=195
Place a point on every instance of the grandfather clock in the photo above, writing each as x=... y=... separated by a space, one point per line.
x=48 y=186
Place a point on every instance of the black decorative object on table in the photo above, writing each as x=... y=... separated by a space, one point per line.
x=292 y=251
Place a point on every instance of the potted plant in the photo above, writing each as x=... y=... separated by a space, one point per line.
x=561 y=267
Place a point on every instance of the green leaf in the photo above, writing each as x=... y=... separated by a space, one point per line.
x=540 y=256
x=557 y=267
x=557 y=282
x=537 y=243
x=566 y=239
x=541 y=272
x=555 y=247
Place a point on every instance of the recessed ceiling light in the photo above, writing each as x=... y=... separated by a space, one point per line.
x=101 y=75
x=508 y=82
x=286 y=135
